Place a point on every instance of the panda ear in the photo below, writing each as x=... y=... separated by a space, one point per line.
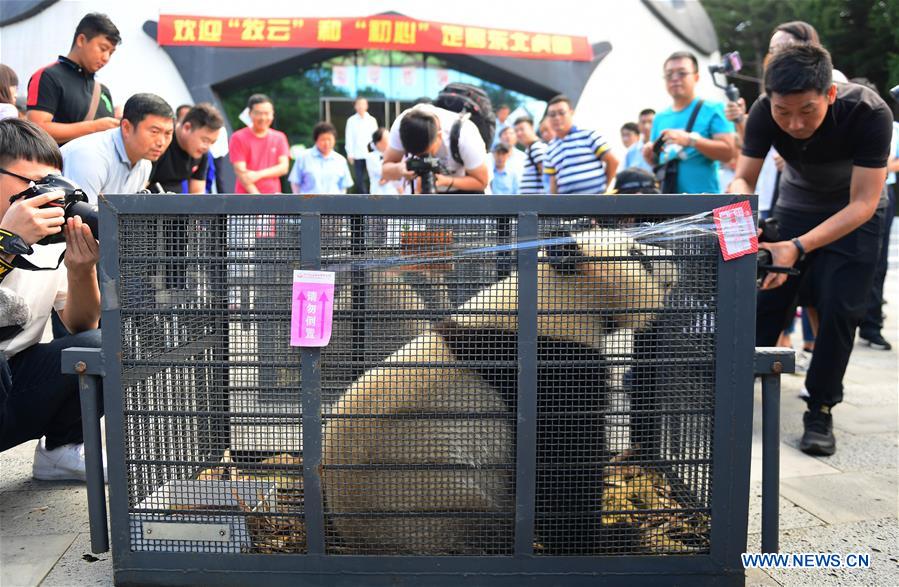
x=565 y=256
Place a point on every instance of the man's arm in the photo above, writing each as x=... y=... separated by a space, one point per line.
x=553 y=185
x=864 y=194
x=196 y=186
x=746 y=175
x=721 y=147
x=611 y=162
x=82 y=309
x=273 y=171
x=648 y=155
x=240 y=170
x=394 y=167
x=348 y=138
x=474 y=180
x=64 y=132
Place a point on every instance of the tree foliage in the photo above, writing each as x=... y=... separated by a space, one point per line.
x=861 y=35
x=296 y=101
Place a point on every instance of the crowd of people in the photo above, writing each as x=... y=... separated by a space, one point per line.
x=821 y=155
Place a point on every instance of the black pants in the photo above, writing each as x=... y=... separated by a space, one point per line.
x=361 y=173
x=36 y=399
x=872 y=323
x=839 y=278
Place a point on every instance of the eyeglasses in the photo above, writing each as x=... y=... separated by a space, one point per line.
x=674 y=75
x=17 y=176
x=556 y=113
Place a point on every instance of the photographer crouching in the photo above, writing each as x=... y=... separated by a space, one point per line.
x=36 y=400
x=444 y=158
x=834 y=140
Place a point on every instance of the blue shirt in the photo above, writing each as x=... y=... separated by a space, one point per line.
x=575 y=161
x=505 y=182
x=697 y=174
x=634 y=157
x=316 y=174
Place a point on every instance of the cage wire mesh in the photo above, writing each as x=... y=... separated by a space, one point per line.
x=419 y=385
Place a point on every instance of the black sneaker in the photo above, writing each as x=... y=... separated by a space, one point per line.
x=818 y=436
x=875 y=340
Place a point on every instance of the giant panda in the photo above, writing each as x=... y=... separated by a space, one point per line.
x=449 y=429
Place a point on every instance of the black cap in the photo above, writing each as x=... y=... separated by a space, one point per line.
x=634 y=180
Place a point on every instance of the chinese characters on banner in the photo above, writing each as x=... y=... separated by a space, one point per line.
x=389 y=32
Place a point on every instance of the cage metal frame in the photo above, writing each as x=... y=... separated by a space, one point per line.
x=732 y=412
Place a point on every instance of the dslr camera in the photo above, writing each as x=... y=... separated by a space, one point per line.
x=73 y=203
x=425 y=167
x=730 y=64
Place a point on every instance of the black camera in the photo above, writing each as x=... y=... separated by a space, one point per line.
x=74 y=203
x=730 y=64
x=425 y=167
x=765 y=262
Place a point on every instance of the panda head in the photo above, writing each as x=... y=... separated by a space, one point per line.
x=607 y=269
x=590 y=283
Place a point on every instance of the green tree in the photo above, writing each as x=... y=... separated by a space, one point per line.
x=296 y=100
x=861 y=35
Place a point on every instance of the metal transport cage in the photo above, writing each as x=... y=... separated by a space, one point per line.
x=517 y=390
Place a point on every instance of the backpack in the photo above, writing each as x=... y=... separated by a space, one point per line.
x=473 y=104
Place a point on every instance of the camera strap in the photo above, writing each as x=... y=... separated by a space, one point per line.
x=95 y=102
x=455 y=134
x=19 y=262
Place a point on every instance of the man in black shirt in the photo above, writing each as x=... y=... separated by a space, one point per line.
x=835 y=141
x=64 y=98
x=185 y=159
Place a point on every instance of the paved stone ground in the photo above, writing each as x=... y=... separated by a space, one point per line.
x=845 y=503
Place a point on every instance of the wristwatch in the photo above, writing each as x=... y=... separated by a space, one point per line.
x=798 y=244
x=13 y=244
x=694 y=136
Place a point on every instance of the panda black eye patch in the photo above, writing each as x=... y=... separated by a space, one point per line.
x=644 y=260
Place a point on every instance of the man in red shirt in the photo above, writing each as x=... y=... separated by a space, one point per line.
x=259 y=154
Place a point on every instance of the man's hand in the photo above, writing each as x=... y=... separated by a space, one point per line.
x=251 y=176
x=735 y=111
x=105 y=123
x=783 y=254
x=82 y=249
x=648 y=155
x=350 y=160
x=677 y=136
x=26 y=218
x=739 y=186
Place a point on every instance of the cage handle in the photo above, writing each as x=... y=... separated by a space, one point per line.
x=87 y=364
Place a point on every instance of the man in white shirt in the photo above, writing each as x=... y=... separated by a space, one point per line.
x=426 y=130
x=36 y=399
x=359 y=129
x=119 y=160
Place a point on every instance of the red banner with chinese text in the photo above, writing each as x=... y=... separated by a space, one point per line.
x=389 y=32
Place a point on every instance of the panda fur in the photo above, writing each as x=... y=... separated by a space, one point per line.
x=569 y=484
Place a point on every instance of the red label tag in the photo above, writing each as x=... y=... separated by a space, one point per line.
x=736 y=230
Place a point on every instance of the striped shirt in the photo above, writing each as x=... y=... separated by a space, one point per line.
x=575 y=162
x=531 y=180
